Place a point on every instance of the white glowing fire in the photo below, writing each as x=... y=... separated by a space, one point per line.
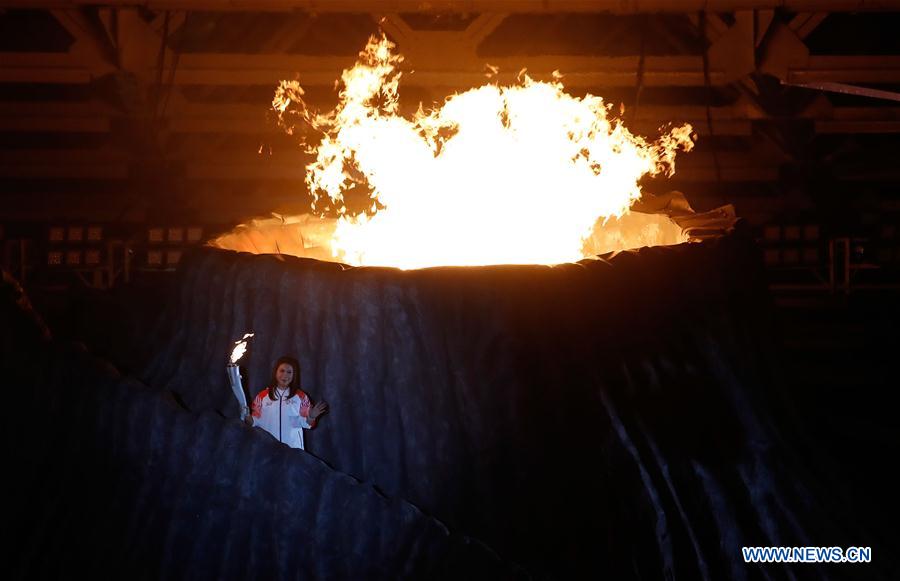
x=497 y=174
x=240 y=347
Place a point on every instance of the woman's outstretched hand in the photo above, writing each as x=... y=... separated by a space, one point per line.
x=318 y=409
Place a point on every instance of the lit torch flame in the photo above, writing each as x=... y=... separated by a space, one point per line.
x=240 y=347
x=496 y=175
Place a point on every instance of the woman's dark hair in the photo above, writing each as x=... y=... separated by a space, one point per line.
x=294 y=385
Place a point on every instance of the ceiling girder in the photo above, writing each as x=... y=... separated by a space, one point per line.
x=581 y=72
x=471 y=6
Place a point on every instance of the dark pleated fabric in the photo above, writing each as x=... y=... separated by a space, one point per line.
x=109 y=479
x=619 y=418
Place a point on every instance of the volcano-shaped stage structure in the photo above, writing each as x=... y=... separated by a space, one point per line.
x=617 y=418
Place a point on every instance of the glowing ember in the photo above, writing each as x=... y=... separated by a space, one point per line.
x=240 y=347
x=497 y=174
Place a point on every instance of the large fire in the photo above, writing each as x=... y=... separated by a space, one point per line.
x=515 y=174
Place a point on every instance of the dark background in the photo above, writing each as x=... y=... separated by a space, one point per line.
x=152 y=129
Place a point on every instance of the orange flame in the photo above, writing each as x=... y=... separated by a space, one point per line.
x=497 y=174
x=240 y=347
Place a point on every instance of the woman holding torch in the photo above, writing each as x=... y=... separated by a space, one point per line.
x=283 y=409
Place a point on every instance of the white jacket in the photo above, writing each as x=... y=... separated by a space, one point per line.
x=284 y=417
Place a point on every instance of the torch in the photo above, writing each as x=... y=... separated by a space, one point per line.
x=234 y=374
